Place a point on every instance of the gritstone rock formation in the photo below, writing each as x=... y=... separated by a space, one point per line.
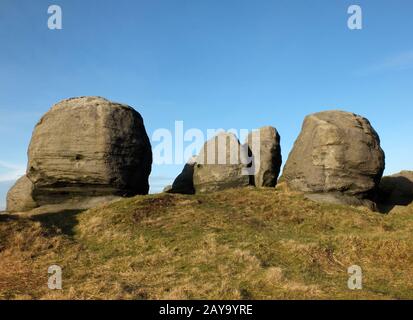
x=219 y=165
x=224 y=163
x=81 y=148
x=183 y=183
x=19 y=197
x=336 y=158
x=397 y=189
x=266 y=152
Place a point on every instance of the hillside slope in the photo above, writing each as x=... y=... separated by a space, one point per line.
x=238 y=244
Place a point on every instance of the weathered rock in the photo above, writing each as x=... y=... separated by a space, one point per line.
x=69 y=206
x=19 y=197
x=336 y=152
x=88 y=147
x=264 y=144
x=167 y=189
x=397 y=189
x=219 y=165
x=184 y=181
x=341 y=198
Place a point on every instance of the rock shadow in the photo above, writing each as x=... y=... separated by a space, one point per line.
x=394 y=191
x=61 y=222
x=6 y=217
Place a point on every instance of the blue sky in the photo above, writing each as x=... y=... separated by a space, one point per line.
x=212 y=64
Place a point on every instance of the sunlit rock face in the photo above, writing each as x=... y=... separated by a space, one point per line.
x=337 y=156
x=87 y=147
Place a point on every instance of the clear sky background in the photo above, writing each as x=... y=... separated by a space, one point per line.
x=211 y=63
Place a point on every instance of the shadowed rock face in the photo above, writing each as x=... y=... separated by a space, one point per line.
x=219 y=165
x=183 y=183
x=88 y=147
x=336 y=152
x=266 y=153
x=397 y=189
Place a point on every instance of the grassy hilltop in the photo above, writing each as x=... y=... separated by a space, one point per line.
x=236 y=244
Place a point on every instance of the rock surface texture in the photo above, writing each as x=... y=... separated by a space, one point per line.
x=20 y=196
x=219 y=165
x=86 y=147
x=264 y=144
x=336 y=157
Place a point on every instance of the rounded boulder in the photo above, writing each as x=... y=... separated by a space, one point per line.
x=336 y=153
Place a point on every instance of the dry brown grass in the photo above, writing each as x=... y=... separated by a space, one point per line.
x=238 y=244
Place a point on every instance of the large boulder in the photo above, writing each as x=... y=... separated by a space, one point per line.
x=88 y=147
x=397 y=189
x=338 y=156
x=20 y=196
x=220 y=165
x=264 y=144
x=183 y=183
